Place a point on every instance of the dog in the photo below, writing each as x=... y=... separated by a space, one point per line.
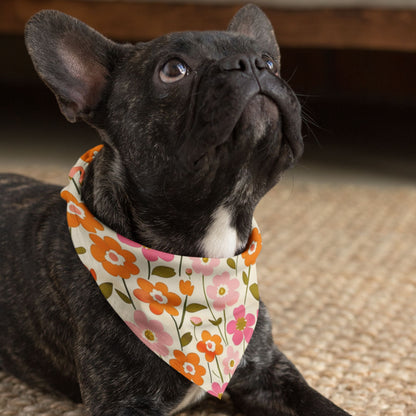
x=196 y=127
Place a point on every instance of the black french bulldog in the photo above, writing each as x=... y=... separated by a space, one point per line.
x=197 y=127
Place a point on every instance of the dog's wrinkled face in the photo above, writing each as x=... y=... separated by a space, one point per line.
x=219 y=110
x=193 y=120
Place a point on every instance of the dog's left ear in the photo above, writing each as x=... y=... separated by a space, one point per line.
x=250 y=21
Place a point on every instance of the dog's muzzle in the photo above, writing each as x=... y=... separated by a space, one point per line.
x=226 y=90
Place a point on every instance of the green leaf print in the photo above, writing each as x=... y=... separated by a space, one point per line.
x=245 y=278
x=163 y=271
x=106 y=289
x=254 y=289
x=123 y=297
x=231 y=263
x=186 y=339
x=216 y=322
x=195 y=307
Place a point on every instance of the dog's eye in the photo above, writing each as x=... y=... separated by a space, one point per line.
x=173 y=70
x=270 y=64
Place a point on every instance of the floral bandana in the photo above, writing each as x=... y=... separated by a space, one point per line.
x=197 y=314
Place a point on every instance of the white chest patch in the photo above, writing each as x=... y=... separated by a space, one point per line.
x=221 y=239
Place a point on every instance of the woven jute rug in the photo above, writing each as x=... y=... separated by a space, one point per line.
x=338 y=273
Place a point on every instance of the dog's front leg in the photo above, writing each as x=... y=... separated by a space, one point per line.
x=108 y=398
x=266 y=383
x=106 y=394
x=120 y=376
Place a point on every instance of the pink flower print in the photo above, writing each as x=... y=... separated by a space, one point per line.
x=153 y=255
x=231 y=361
x=241 y=326
x=151 y=333
x=223 y=291
x=204 y=265
x=130 y=243
x=197 y=321
x=148 y=253
x=218 y=390
x=74 y=171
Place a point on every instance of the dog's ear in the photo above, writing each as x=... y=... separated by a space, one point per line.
x=252 y=22
x=72 y=59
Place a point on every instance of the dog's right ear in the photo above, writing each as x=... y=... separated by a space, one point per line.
x=72 y=59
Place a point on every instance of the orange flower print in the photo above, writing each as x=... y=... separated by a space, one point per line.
x=94 y=275
x=188 y=366
x=210 y=345
x=253 y=248
x=115 y=260
x=74 y=171
x=158 y=297
x=186 y=287
x=89 y=156
x=78 y=214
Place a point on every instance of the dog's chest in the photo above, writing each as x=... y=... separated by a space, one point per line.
x=221 y=239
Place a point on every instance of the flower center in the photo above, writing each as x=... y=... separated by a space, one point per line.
x=205 y=259
x=73 y=209
x=252 y=248
x=241 y=324
x=149 y=335
x=231 y=363
x=158 y=296
x=114 y=258
x=210 y=346
x=222 y=291
x=189 y=368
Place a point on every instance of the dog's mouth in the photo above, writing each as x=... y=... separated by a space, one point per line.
x=267 y=108
x=287 y=103
x=258 y=120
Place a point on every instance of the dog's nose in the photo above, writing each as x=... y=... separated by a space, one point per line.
x=245 y=63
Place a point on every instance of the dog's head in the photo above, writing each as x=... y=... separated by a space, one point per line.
x=192 y=120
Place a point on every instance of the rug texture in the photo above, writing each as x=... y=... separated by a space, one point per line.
x=338 y=273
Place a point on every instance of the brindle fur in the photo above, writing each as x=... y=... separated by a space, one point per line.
x=173 y=154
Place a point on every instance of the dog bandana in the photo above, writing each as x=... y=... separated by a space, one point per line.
x=197 y=314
